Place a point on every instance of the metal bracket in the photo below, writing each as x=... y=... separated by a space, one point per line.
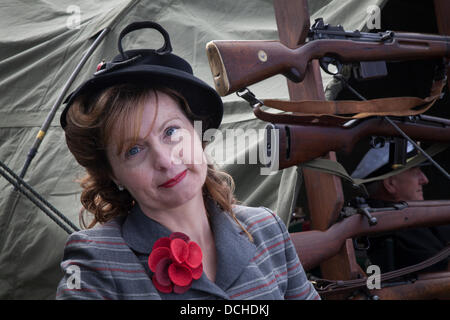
x=250 y=97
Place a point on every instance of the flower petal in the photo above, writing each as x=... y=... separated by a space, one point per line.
x=156 y=255
x=195 y=256
x=162 y=242
x=197 y=272
x=161 y=272
x=180 y=275
x=161 y=288
x=179 y=250
x=179 y=235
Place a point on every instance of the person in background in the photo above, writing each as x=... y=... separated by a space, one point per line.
x=167 y=225
x=401 y=248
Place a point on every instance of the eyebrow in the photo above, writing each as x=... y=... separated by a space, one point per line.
x=127 y=141
x=172 y=117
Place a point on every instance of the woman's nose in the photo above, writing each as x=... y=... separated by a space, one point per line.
x=163 y=158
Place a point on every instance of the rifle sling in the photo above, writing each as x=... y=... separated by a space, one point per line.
x=335 y=286
x=303 y=111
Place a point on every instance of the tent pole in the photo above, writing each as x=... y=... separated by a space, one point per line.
x=41 y=134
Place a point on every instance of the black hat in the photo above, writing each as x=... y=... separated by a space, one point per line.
x=376 y=162
x=154 y=67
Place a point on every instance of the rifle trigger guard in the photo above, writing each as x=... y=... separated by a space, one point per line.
x=324 y=63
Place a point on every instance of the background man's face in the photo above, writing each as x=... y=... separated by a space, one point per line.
x=408 y=184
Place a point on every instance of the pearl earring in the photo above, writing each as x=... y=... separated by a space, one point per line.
x=120 y=187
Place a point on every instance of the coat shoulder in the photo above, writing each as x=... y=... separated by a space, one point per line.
x=256 y=219
x=243 y=212
x=107 y=267
x=99 y=242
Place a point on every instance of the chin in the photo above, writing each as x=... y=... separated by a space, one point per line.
x=418 y=197
x=184 y=196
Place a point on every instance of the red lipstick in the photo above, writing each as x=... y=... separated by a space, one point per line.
x=172 y=182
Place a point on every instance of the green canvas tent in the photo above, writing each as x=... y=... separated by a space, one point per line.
x=42 y=42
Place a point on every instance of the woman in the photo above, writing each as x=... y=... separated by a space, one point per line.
x=170 y=227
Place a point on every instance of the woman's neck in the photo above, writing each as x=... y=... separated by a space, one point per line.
x=190 y=218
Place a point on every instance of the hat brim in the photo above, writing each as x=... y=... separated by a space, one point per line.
x=203 y=100
x=388 y=168
x=415 y=161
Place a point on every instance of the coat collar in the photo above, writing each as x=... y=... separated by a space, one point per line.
x=234 y=250
x=140 y=232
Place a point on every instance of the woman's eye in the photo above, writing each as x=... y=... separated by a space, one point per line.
x=133 y=151
x=171 y=131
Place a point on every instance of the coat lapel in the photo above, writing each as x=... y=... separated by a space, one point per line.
x=233 y=248
x=140 y=232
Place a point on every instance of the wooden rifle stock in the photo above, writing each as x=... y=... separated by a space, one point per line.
x=237 y=64
x=302 y=143
x=314 y=247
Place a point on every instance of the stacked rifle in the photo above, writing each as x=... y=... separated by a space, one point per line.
x=307 y=130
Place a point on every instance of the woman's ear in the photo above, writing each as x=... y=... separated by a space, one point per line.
x=114 y=179
x=119 y=185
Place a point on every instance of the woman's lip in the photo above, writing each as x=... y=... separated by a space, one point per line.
x=174 y=181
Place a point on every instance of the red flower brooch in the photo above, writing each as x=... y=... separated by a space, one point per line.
x=175 y=262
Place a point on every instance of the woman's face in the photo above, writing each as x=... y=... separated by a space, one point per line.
x=166 y=166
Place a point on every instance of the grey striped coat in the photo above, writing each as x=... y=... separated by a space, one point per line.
x=110 y=261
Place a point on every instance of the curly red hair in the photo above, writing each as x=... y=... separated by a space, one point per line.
x=90 y=121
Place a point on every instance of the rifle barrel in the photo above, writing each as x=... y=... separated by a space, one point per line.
x=436 y=120
x=422 y=36
x=302 y=143
x=314 y=247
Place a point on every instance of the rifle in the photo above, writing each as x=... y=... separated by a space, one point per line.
x=314 y=247
x=434 y=285
x=238 y=64
x=300 y=143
